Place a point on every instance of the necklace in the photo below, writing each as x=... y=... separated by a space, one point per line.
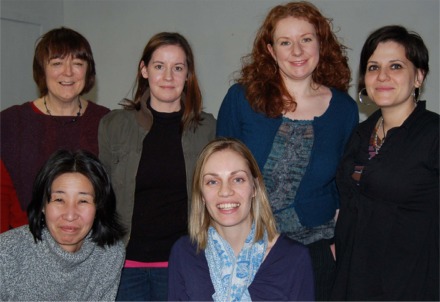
x=376 y=143
x=78 y=114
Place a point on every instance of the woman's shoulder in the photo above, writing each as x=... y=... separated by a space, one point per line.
x=290 y=250
x=430 y=117
x=237 y=88
x=13 y=241
x=183 y=244
x=285 y=244
x=235 y=103
x=342 y=98
x=208 y=118
x=425 y=124
x=97 y=109
x=236 y=93
x=16 y=110
x=287 y=253
x=115 y=251
x=118 y=116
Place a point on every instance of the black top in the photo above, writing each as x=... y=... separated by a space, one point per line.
x=387 y=234
x=161 y=202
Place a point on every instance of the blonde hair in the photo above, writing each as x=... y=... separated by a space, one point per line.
x=261 y=212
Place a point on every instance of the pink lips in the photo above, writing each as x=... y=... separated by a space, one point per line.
x=298 y=63
x=384 y=89
x=69 y=229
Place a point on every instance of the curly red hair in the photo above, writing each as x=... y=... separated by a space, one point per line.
x=265 y=89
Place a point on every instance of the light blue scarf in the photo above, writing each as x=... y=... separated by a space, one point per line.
x=232 y=276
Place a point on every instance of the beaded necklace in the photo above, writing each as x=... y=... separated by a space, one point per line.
x=78 y=114
x=376 y=144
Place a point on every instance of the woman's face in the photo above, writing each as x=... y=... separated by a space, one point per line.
x=65 y=78
x=71 y=210
x=390 y=78
x=228 y=189
x=166 y=72
x=295 y=48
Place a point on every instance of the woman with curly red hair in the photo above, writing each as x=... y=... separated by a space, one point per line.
x=291 y=108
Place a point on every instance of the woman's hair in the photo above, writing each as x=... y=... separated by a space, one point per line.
x=191 y=99
x=106 y=229
x=415 y=49
x=261 y=212
x=265 y=89
x=60 y=43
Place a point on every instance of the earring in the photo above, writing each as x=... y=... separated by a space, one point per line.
x=363 y=94
x=416 y=94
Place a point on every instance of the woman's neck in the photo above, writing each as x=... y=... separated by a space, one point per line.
x=235 y=236
x=165 y=107
x=51 y=106
x=396 y=116
x=300 y=88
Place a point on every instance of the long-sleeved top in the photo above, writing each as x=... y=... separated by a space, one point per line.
x=43 y=271
x=28 y=138
x=286 y=274
x=317 y=198
x=387 y=234
x=121 y=136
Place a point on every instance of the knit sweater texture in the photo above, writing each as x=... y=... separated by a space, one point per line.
x=43 y=271
x=28 y=138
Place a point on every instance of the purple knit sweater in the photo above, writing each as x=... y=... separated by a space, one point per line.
x=28 y=138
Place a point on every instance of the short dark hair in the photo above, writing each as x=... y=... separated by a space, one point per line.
x=59 y=43
x=106 y=229
x=415 y=48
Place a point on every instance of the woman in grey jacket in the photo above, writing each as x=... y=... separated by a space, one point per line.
x=150 y=148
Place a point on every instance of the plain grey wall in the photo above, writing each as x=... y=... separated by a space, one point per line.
x=22 y=22
x=222 y=31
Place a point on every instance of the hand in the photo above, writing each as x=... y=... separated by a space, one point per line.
x=332 y=248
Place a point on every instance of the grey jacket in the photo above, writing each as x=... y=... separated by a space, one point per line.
x=120 y=136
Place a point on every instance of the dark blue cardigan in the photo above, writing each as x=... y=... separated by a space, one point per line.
x=317 y=197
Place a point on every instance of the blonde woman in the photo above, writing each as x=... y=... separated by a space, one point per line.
x=233 y=251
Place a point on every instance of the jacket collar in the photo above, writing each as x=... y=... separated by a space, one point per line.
x=144 y=117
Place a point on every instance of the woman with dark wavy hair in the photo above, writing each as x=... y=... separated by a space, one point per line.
x=290 y=107
x=71 y=247
x=150 y=148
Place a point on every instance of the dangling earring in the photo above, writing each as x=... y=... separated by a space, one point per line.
x=363 y=94
x=416 y=94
